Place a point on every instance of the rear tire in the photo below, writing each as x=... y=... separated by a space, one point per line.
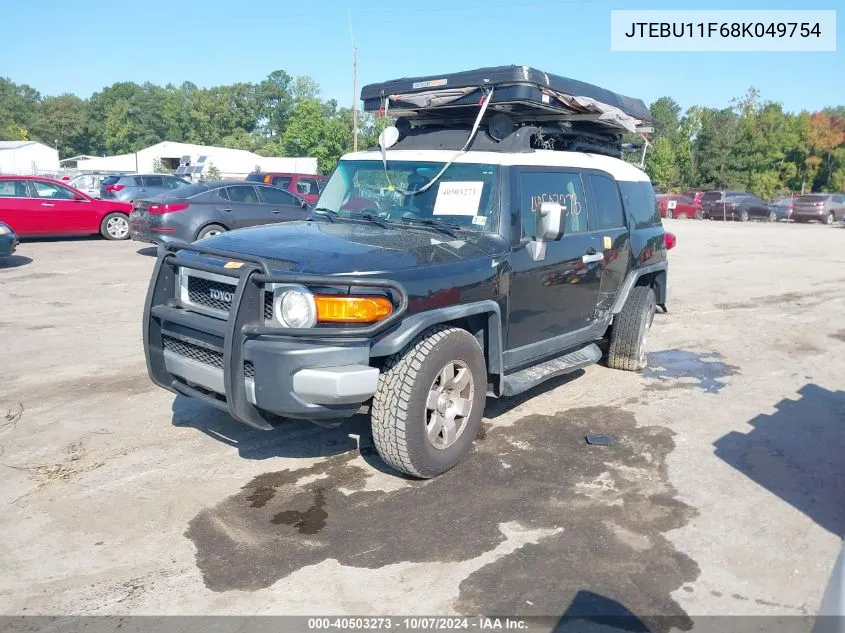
x=829 y=219
x=668 y=214
x=115 y=226
x=630 y=330
x=743 y=216
x=210 y=231
x=430 y=399
x=699 y=214
x=773 y=217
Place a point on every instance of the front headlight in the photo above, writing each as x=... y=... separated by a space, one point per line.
x=295 y=307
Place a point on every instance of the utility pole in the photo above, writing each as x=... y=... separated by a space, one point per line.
x=354 y=87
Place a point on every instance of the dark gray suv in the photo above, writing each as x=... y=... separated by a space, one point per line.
x=822 y=207
x=128 y=188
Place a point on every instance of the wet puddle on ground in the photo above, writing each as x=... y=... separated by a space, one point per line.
x=678 y=369
x=598 y=506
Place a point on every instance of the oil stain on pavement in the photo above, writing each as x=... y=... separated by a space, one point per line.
x=606 y=510
x=701 y=370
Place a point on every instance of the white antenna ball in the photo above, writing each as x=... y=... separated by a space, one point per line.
x=388 y=137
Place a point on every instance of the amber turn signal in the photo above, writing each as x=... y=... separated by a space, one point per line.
x=345 y=309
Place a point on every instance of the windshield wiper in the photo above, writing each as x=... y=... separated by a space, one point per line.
x=327 y=213
x=370 y=217
x=441 y=225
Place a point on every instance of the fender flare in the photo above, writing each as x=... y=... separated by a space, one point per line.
x=410 y=327
x=631 y=281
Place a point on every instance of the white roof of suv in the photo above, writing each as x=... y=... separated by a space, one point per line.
x=616 y=167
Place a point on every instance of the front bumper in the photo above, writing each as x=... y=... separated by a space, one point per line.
x=245 y=367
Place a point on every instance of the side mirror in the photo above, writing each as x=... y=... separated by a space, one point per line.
x=550 y=221
x=78 y=197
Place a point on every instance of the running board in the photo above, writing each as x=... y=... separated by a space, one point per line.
x=533 y=376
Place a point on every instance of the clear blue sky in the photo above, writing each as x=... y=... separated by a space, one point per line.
x=213 y=42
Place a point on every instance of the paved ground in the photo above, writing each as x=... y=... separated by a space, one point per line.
x=723 y=495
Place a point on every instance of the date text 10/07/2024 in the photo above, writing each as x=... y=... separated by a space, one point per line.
x=723 y=29
x=417 y=624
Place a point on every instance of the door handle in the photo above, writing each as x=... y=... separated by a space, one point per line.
x=47 y=204
x=277 y=210
x=592 y=257
x=229 y=209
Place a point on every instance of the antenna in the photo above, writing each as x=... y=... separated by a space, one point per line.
x=354 y=86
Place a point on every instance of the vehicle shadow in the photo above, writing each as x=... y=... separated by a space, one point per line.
x=590 y=611
x=149 y=251
x=797 y=454
x=289 y=438
x=14 y=261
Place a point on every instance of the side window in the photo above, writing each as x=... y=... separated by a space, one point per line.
x=282 y=182
x=562 y=187
x=242 y=193
x=49 y=190
x=607 y=203
x=153 y=181
x=269 y=195
x=13 y=189
x=173 y=183
x=638 y=198
x=221 y=193
x=305 y=186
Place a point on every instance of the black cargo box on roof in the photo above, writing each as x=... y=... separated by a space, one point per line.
x=522 y=91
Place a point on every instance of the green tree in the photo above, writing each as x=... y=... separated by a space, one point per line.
x=63 y=120
x=661 y=163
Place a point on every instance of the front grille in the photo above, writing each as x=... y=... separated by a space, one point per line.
x=268 y=306
x=203 y=355
x=210 y=294
x=200 y=354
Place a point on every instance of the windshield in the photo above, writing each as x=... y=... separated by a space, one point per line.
x=465 y=196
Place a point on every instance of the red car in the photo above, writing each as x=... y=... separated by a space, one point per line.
x=35 y=206
x=306 y=186
x=675 y=205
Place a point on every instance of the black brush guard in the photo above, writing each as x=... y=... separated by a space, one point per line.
x=245 y=321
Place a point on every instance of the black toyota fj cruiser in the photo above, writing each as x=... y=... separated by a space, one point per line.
x=489 y=243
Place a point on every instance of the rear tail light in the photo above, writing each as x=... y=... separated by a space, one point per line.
x=671 y=240
x=114 y=187
x=158 y=209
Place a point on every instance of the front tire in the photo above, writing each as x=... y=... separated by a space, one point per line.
x=630 y=331
x=773 y=217
x=699 y=214
x=743 y=216
x=430 y=399
x=115 y=226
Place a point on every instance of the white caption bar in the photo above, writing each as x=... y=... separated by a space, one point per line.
x=722 y=30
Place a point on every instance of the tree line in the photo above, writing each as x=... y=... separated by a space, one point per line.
x=753 y=145
x=279 y=116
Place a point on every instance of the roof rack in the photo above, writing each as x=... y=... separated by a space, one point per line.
x=528 y=109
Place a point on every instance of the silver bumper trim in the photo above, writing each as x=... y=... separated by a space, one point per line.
x=347 y=384
x=201 y=374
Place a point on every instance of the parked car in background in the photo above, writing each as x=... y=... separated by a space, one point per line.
x=743 y=207
x=695 y=195
x=204 y=210
x=821 y=207
x=8 y=240
x=782 y=208
x=306 y=186
x=127 y=188
x=36 y=206
x=89 y=184
x=674 y=205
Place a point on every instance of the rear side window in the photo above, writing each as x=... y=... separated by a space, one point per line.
x=110 y=180
x=174 y=183
x=153 y=181
x=606 y=204
x=242 y=193
x=282 y=182
x=13 y=189
x=711 y=196
x=306 y=186
x=221 y=193
x=638 y=198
